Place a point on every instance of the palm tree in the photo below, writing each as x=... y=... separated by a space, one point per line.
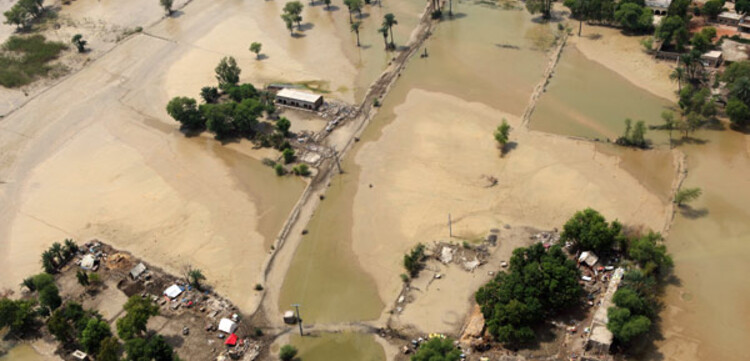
x=384 y=30
x=70 y=248
x=57 y=251
x=353 y=6
x=678 y=74
x=388 y=21
x=48 y=261
x=196 y=276
x=328 y=4
x=355 y=28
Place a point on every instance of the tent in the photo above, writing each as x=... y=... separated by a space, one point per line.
x=88 y=262
x=231 y=340
x=227 y=325
x=173 y=291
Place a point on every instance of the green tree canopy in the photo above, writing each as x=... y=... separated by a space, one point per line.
x=588 y=230
x=287 y=352
x=713 y=8
x=139 y=310
x=673 y=29
x=95 y=332
x=18 y=315
x=738 y=112
x=539 y=283
x=634 y=18
x=184 y=110
x=437 y=349
x=227 y=72
x=650 y=253
x=109 y=350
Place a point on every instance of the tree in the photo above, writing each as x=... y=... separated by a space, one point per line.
x=414 y=260
x=246 y=115
x=184 y=111
x=210 y=94
x=740 y=89
x=633 y=136
x=139 y=310
x=703 y=40
x=48 y=262
x=679 y=8
x=578 y=11
x=686 y=195
x=288 y=155
x=650 y=253
x=59 y=326
x=355 y=26
x=678 y=74
x=49 y=297
x=78 y=41
x=167 y=5
x=289 y=21
x=70 y=248
x=154 y=348
x=738 y=112
x=437 y=349
x=742 y=6
x=501 y=135
x=634 y=18
x=735 y=71
x=95 y=332
x=353 y=6
x=588 y=230
x=18 y=315
x=713 y=8
x=282 y=125
x=242 y=92
x=287 y=352
x=42 y=281
x=255 y=48
x=540 y=6
x=219 y=119
x=673 y=28
x=17 y=16
x=540 y=283
x=294 y=11
x=624 y=325
x=328 y=4
x=383 y=30
x=389 y=20
x=82 y=277
x=57 y=250
x=109 y=350
x=669 y=124
x=227 y=72
x=196 y=276
x=301 y=169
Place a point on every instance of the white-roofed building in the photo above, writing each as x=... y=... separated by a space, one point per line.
x=173 y=291
x=299 y=99
x=228 y=326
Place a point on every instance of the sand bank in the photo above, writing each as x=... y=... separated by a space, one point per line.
x=432 y=160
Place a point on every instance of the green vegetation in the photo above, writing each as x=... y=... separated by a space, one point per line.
x=626 y=320
x=152 y=348
x=78 y=41
x=686 y=195
x=23 y=12
x=737 y=77
x=588 y=230
x=18 y=315
x=167 y=5
x=210 y=94
x=255 y=48
x=139 y=310
x=292 y=13
x=502 y=135
x=634 y=17
x=650 y=253
x=539 y=284
x=109 y=350
x=634 y=137
x=287 y=352
x=25 y=58
x=279 y=169
x=354 y=6
x=437 y=349
x=93 y=334
x=195 y=276
x=389 y=20
x=355 y=26
x=540 y=6
x=414 y=260
x=185 y=111
x=282 y=125
x=703 y=40
x=288 y=155
x=697 y=106
x=301 y=170
x=738 y=112
x=673 y=31
x=227 y=73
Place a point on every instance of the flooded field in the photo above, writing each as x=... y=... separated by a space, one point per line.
x=338 y=346
x=585 y=99
x=24 y=352
x=707 y=315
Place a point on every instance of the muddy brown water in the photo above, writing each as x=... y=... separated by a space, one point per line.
x=22 y=352
x=334 y=346
x=585 y=99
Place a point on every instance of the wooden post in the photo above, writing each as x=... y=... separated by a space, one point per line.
x=299 y=319
x=450 y=226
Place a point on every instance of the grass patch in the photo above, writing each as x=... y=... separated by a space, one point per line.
x=25 y=58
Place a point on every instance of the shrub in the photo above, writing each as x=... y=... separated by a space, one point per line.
x=287 y=352
x=414 y=261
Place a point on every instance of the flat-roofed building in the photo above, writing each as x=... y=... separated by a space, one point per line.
x=299 y=99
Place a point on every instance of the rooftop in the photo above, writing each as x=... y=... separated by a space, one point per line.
x=299 y=95
x=713 y=54
x=662 y=4
x=730 y=15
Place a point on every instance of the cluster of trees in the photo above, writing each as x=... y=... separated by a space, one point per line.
x=737 y=78
x=58 y=254
x=23 y=12
x=502 y=134
x=672 y=29
x=540 y=283
x=19 y=316
x=634 y=136
x=292 y=13
x=414 y=260
x=229 y=110
x=48 y=293
x=632 y=15
x=635 y=301
x=139 y=345
x=437 y=349
x=588 y=230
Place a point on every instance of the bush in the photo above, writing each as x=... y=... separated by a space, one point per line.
x=184 y=111
x=30 y=58
x=404 y=278
x=258 y=287
x=738 y=112
x=287 y=352
x=280 y=171
x=288 y=155
x=437 y=349
x=414 y=261
x=301 y=170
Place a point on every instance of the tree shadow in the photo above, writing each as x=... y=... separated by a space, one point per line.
x=692 y=213
x=509 y=147
x=306 y=27
x=594 y=36
x=176 y=14
x=508 y=46
x=363 y=16
x=689 y=140
x=332 y=8
x=741 y=129
x=261 y=57
x=455 y=16
x=175 y=341
x=191 y=133
x=365 y=46
x=298 y=35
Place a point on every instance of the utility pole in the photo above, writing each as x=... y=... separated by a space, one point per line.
x=338 y=162
x=450 y=226
x=299 y=319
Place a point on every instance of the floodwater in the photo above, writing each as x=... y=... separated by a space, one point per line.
x=325 y=276
x=707 y=315
x=22 y=352
x=338 y=346
x=585 y=99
